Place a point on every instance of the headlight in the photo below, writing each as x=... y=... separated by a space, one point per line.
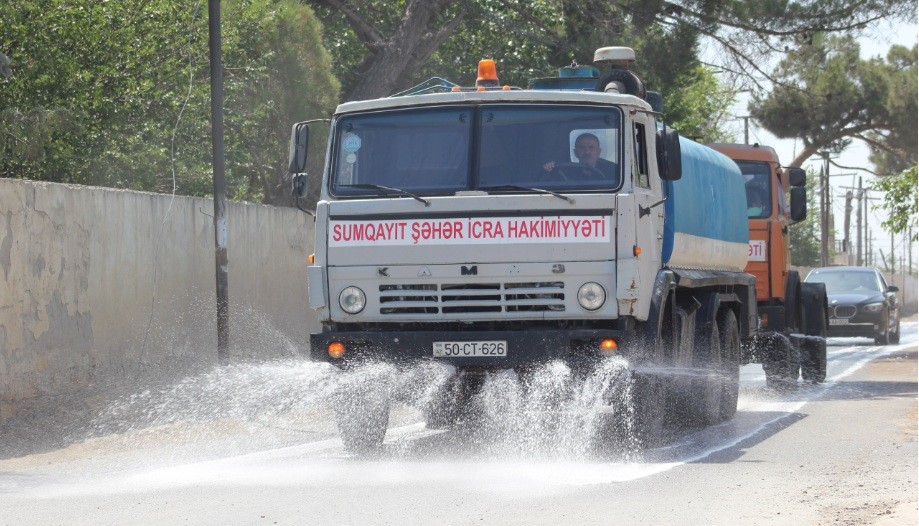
x=352 y=300
x=873 y=307
x=591 y=296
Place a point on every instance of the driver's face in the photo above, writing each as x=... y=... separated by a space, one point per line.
x=587 y=150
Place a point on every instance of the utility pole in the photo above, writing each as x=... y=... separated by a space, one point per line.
x=848 y=220
x=220 y=184
x=746 y=129
x=824 y=210
x=869 y=257
x=858 y=226
x=893 y=256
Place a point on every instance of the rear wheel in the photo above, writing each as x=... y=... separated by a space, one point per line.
x=729 y=335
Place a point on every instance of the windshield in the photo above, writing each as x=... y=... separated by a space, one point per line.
x=841 y=282
x=759 y=191
x=442 y=150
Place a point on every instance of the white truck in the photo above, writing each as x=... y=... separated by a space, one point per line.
x=496 y=228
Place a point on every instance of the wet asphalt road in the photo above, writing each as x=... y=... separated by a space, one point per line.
x=844 y=452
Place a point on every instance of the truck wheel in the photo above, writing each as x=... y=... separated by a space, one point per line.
x=813 y=350
x=729 y=335
x=441 y=411
x=644 y=419
x=636 y=419
x=782 y=363
x=362 y=416
x=704 y=407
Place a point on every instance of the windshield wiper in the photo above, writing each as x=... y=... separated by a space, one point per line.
x=369 y=186
x=528 y=189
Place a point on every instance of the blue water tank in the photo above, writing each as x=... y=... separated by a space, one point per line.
x=706 y=213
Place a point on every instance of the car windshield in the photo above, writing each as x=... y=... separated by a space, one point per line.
x=759 y=194
x=841 y=282
x=495 y=148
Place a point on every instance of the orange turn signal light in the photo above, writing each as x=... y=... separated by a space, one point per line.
x=311 y=258
x=336 y=349
x=609 y=346
x=636 y=250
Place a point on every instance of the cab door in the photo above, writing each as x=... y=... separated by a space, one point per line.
x=649 y=211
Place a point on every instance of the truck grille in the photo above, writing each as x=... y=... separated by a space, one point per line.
x=448 y=298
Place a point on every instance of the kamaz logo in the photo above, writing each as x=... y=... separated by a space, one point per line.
x=469 y=271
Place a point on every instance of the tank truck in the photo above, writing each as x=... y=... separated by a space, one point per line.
x=493 y=228
x=793 y=314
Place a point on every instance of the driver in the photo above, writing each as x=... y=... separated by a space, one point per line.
x=587 y=150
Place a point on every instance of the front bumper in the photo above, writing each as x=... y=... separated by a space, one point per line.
x=865 y=329
x=524 y=347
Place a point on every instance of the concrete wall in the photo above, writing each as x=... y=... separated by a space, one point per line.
x=101 y=285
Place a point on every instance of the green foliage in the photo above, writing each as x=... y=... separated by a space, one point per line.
x=532 y=39
x=900 y=201
x=804 y=236
x=826 y=95
x=98 y=87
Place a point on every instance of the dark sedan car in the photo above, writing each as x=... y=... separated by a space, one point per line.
x=861 y=303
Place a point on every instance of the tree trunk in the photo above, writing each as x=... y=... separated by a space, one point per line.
x=413 y=42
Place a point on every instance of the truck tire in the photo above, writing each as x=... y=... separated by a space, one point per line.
x=441 y=411
x=703 y=407
x=782 y=362
x=729 y=336
x=362 y=416
x=813 y=349
x=641 y=422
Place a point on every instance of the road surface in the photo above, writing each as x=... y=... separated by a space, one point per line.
x=256 y=444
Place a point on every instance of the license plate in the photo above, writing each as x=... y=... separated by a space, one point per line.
x=839 y=321
x=470 y=349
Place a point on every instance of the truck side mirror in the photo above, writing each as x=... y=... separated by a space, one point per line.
x=796 y=177
x=669 y=160
x=300 y=185
x=299 y=140
x=798 y=204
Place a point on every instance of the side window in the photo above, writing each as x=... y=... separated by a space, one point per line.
x=882 y=282
x=641 y=155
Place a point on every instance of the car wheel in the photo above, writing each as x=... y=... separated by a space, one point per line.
x=884 y=337
x=895 y=337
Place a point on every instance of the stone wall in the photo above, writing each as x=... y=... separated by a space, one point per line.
x=101 y=285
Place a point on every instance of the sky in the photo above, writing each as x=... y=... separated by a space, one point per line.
x=874 y=43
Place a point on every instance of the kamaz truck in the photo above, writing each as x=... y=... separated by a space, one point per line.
x=793 y=314
x=493 y=228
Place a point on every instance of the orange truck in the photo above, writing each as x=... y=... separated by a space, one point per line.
x=793 y=314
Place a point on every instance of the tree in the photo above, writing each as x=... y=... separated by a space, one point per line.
x=827 y=96
x=900 y=203
x=529 y=39
x=95 y=96
x=381 y=45
x=804 y=236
